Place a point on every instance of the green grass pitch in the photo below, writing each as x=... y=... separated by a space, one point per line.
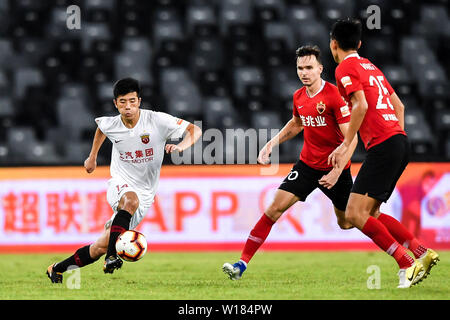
x=198 y=276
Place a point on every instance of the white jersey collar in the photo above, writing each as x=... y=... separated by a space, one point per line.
x=351 y=55
x=318 y=91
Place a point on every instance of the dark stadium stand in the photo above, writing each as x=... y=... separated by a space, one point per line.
x=228 y=63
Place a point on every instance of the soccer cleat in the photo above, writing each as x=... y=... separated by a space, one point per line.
x=410 y=276
x=234 y=271
x=112 y=263
x=428 y=261
x=55 y=277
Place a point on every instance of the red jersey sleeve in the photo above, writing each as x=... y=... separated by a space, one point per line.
x=340 y=107
x=294 y=104
x=349 y=78
x=389 y=87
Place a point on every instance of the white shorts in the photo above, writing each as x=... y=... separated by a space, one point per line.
x=116 y=189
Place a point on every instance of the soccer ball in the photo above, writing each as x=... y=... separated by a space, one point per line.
x=131 y=245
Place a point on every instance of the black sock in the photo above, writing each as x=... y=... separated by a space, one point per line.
x=121 y=223
x=80 y=258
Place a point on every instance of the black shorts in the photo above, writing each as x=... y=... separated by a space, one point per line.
x=383 y=166
x=302 y=180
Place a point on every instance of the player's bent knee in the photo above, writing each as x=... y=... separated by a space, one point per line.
x=129 y=202
x=345 y=225
x=351 y=214
x=274 y=212
x=97 y=251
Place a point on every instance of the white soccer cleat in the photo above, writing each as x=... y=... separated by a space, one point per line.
x=410 y=276
x=234 y=271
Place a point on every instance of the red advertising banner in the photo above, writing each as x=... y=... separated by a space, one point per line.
x=206 y=208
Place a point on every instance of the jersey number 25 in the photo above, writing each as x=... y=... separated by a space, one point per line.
x=382 y=92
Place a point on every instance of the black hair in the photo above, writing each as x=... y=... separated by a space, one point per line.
x=125 y=86
x=309 y=50
x=347 y=33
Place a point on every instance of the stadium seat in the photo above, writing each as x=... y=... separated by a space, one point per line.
x=432 y=17
x=43 y=153
x=331 y=10
x=20 y=140
x=313 y=33
x=75 y=153
x=207 y=55
x=442 y=120
x=218 y=112
x=6 y=53
x=130 y=65
x=5 y=157
x=297 y=16
x=290 y=149
x=234 y=12
x=73 y=115
x=75 y=91
x=280 y=31
x=185 y=101
x=6 y=107
x=100 y=4
x=94 y=31
x=266 y=120
x=166 y=30
x=243 y=76
x=57 y=28
x=447 y=149
x=381 y=49
x=213 y=83
x=284 y=82
x=419 y=132
x=138 y=46
x=199 y=15
x=171 y=78
x=24 y=77
x=4 y=84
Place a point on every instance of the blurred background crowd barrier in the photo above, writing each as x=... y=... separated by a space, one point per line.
x=227 y=63
x=206 y=207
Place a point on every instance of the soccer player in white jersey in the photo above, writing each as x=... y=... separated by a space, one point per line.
x=139 y=140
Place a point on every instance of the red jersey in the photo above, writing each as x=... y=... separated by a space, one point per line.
x=380 y=122
x=321 y=115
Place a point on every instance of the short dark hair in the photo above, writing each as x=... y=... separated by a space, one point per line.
x=347 y=33
x=309 y=50
x=125 y=86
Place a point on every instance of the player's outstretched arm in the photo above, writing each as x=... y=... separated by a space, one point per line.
x=290 y=130
x=399 y=109
x=193 y=133
x=91 y=162
x=359 y=109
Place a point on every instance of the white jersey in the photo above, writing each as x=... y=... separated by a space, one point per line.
x=137 y=153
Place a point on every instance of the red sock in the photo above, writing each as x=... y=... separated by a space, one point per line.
x=402 y=235
x=380 y=235
x=404 y=260
x=257 y=237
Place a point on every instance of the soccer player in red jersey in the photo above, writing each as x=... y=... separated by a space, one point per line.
x=378 y=115
x=323 y=116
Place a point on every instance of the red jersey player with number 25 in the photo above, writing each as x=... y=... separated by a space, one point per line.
x=378 y=114
x=323 y=116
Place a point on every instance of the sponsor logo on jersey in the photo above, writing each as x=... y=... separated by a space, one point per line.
x=321 y=107
x=345 y=111
x=145 y=138
x=346 y=81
